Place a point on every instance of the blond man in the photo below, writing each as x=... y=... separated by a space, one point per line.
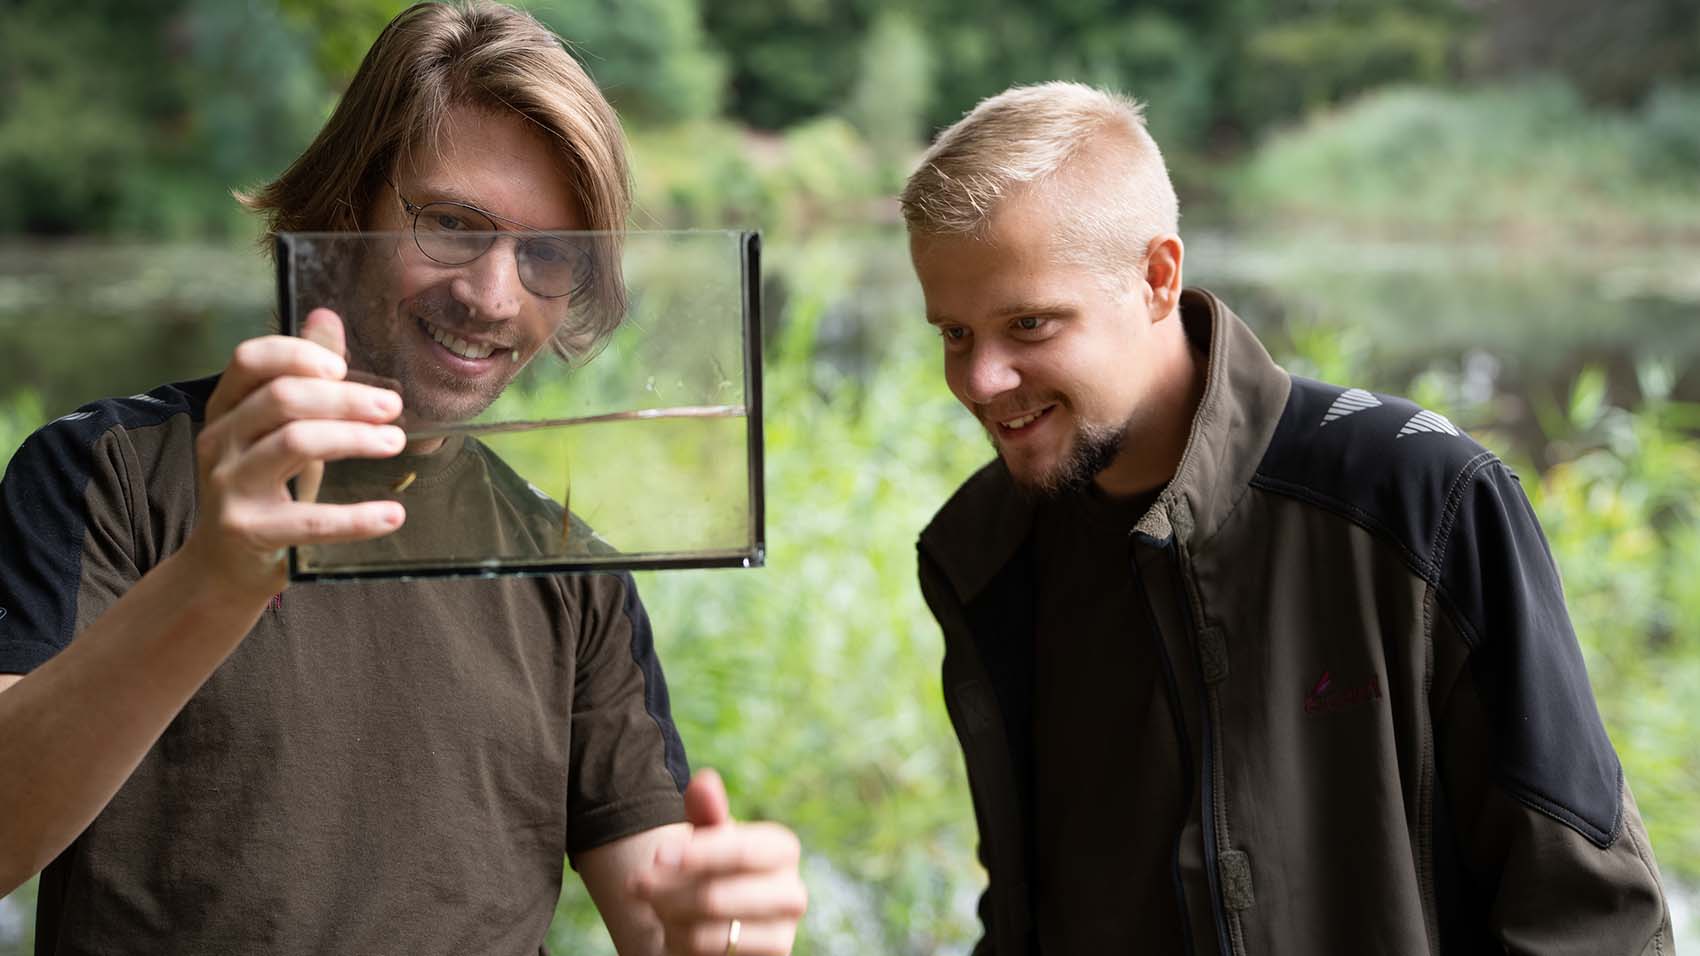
x=205 y=762
x=1239 y=662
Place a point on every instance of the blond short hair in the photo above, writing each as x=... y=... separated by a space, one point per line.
x=437 y=55
x=1025 y=138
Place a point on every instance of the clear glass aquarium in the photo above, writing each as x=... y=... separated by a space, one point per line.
x=572 y=400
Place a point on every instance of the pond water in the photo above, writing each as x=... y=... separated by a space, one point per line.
x=1508 y=327
x=1500 y=331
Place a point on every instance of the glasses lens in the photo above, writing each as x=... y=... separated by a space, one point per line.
x=552 y=267
x=451 y=233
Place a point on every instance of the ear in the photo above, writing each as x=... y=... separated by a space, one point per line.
x=1163 y=275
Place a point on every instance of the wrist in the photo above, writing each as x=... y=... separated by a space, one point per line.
x=239 y=581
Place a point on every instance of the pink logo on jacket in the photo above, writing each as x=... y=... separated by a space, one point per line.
x=1326 y=698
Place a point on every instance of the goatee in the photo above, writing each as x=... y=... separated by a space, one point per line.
x=1094 y=448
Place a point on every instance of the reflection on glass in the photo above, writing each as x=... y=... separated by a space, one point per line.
x=617 y=426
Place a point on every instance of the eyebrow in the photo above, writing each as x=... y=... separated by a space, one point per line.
x=1038 y=309
x=1042 y=309
x=435 y=193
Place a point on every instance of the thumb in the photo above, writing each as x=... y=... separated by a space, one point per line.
x=705 y=800
x=324 y=327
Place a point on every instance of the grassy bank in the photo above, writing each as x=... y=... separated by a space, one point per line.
x=1530 y=161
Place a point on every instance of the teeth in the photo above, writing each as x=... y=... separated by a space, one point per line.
x=1023 y=421
x=457 y=345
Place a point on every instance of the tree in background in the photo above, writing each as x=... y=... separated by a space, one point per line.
x=893 y=90
x=791 y=60
x=341 y=31
x=71 y=121
x=1615 y=54
x=651 y=57
x=1319 y=59
x=1216 y=72
x=140 y=115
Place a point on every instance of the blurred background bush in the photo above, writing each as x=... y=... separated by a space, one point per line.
x=1491 y=206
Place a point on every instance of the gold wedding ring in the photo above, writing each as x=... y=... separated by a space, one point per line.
x=732 y=934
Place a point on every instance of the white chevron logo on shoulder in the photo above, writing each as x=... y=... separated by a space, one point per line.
x=1350 y=401
x=1427 y=421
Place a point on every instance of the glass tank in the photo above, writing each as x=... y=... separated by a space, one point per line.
x=573 y=401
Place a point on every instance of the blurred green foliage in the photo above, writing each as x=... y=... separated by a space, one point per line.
x=812 y=683
x=1530 y=159
x=338 y=32
x=817 y=174
x=651 y=57
x=889 y=100
x=1616 y=54
x=20 y=415
x=139 y=117
x=1323 y=58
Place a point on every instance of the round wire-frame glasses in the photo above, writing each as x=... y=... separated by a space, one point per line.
x=454 y=234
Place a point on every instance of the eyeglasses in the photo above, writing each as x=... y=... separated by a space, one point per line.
x=454 y=234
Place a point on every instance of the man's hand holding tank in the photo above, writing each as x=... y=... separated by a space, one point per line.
x=282 y=408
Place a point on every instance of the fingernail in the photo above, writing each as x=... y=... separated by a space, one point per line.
x=335 y=367
x=394 y=438
x=386 y=403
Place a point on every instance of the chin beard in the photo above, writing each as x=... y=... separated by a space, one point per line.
x=442 y=403
x=1094 y=448
x=428 y=398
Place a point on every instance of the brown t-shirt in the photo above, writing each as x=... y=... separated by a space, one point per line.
x=1108 y=785
x=379 y=767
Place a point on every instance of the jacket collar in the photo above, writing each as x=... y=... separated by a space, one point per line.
x=981 y=526
x=1244 y=395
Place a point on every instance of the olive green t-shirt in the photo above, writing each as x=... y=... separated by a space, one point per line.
x=1108 y=785
x=380 y=766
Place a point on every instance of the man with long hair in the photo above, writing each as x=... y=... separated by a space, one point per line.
x=205 y=763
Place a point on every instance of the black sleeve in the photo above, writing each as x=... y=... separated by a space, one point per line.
x=1543 y=815
x=629 y=768
x=64 y=536
x=1504 y=591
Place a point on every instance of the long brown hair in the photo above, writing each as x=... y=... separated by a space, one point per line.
x=437 y=55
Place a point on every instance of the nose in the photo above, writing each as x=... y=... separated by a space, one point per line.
x=986 y=372
x=489 y=286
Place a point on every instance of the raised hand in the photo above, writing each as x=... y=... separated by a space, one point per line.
x=282 y=408
x=725 y=887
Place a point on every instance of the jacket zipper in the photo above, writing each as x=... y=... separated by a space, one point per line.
x=1178 y=716
x=1208 y=805
x=1207 y=808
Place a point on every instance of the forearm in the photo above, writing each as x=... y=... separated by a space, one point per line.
x=72 y=731
x=606 y=872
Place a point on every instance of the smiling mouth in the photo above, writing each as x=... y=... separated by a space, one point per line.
x=472 y=351
x=1022 y=421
